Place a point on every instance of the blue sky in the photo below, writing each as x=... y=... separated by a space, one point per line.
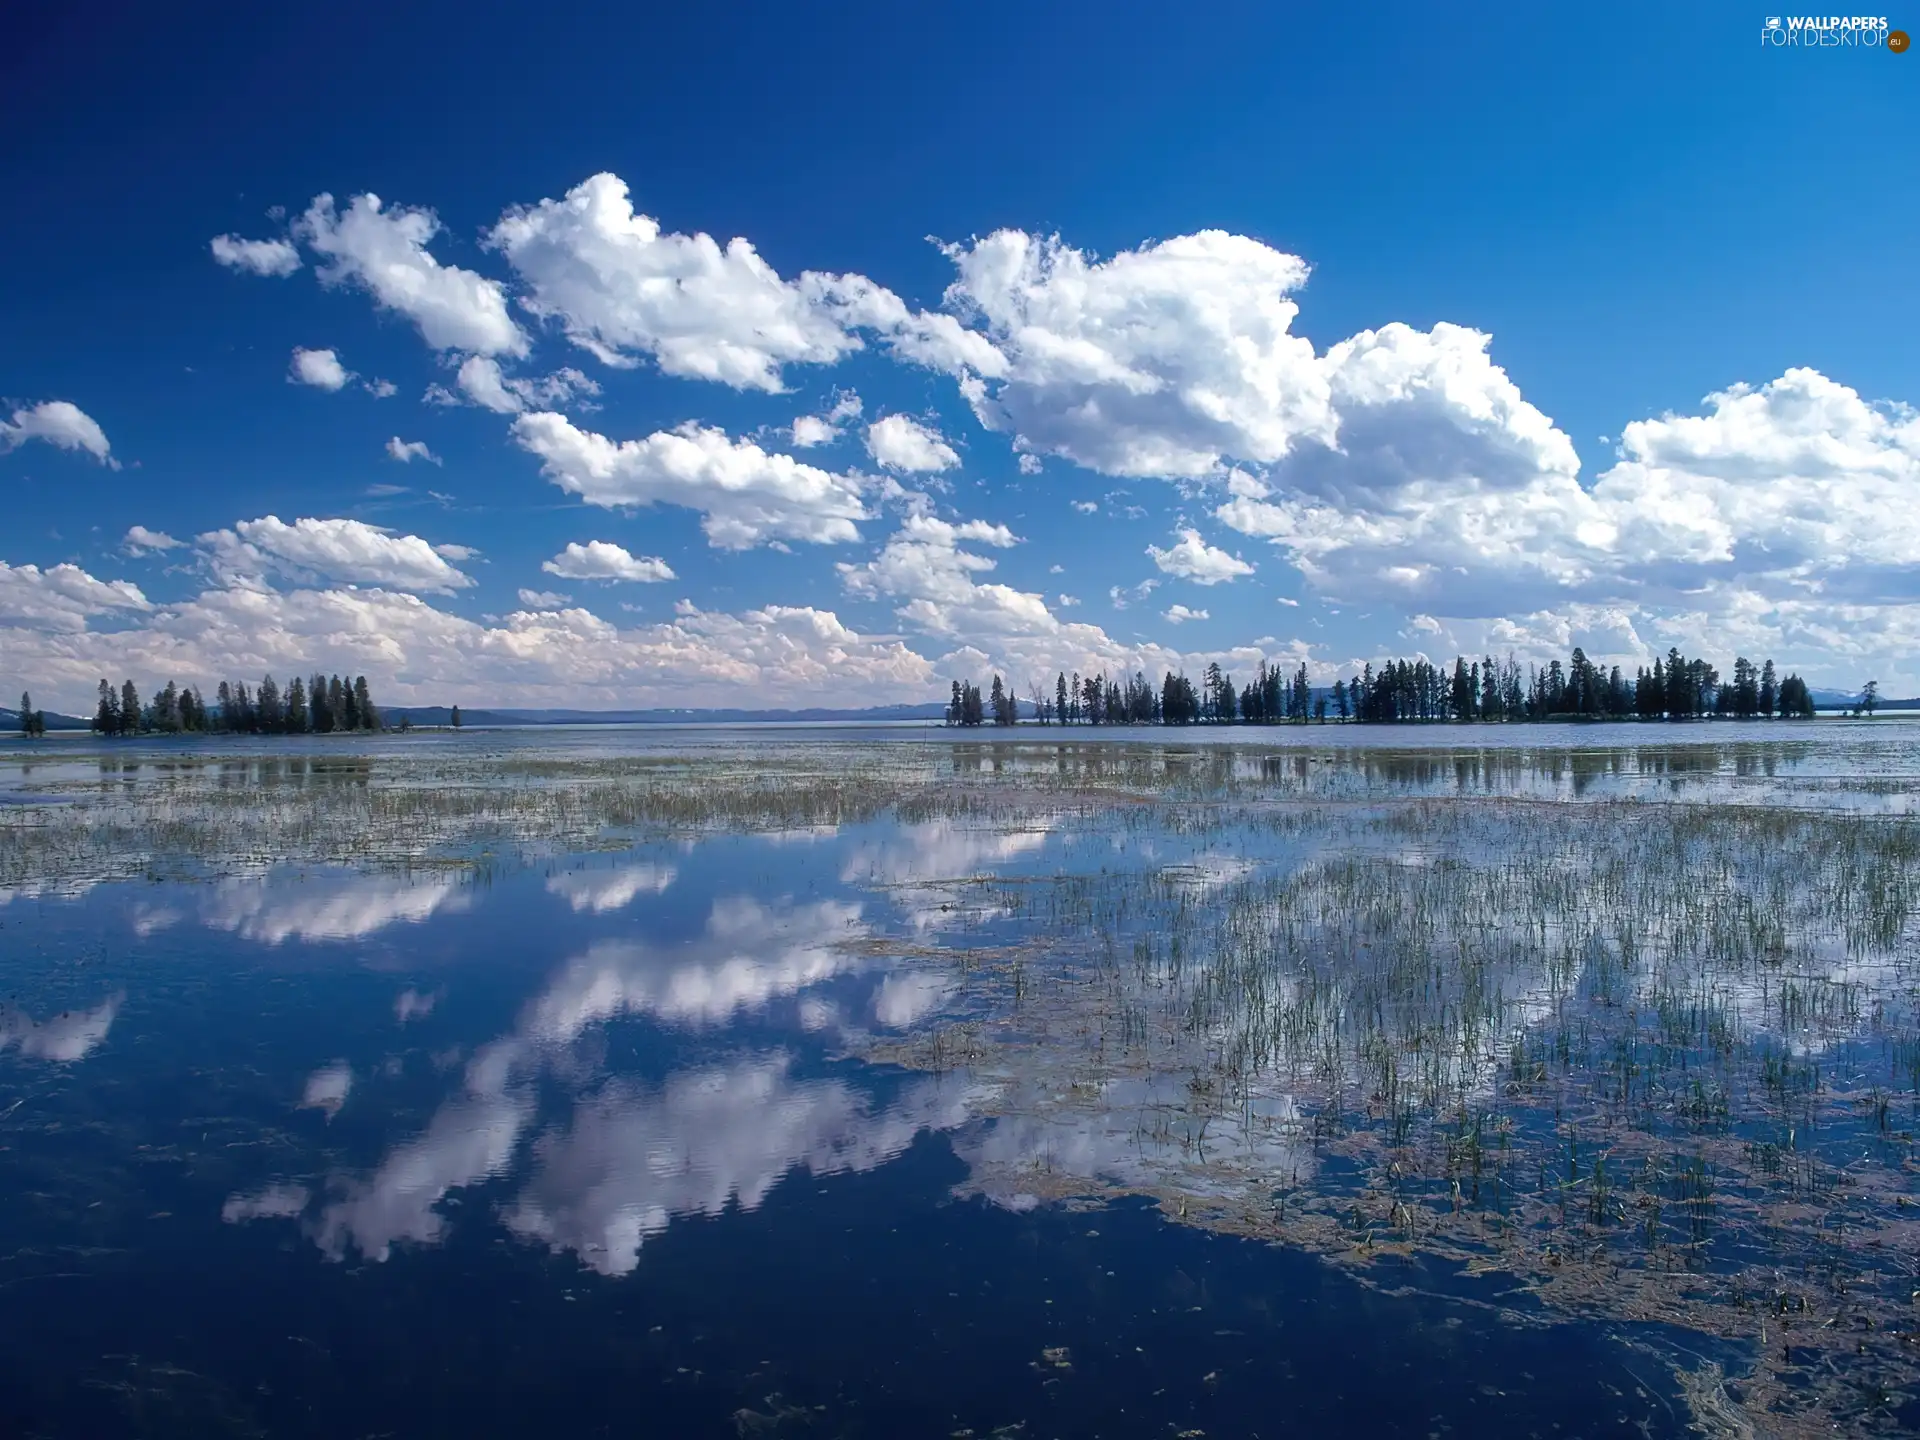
x=1603 y=337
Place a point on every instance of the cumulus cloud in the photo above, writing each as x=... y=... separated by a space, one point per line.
x=62 y=597
x=1161 y=361
x=257 y=257
x=603 y=560
x=621 y=287
x=900 y=443
x=808 y=431
x=346 y=550
x=747 y=495
x=482 y=382
x=1180 y=614
x=1191 y=558
x=142 y=541
x=934 y=579
x=319 y=368
x=1761 y=522
x=60 y=423
x=544 y=599
x=409 y=450
x=385 y=253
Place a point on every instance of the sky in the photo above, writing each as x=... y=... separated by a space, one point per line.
x=770 y=355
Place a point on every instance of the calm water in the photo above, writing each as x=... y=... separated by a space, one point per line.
x=948 y=1121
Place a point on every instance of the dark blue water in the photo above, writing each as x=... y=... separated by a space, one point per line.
x=583 y=1150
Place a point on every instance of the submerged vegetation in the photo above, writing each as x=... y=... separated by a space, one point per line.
x=1638 y=1026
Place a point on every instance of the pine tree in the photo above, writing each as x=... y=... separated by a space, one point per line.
x=130 y=716
x=296 y=714
x=363 y=702
x=456 y=717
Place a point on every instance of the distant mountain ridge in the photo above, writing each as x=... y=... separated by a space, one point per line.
x=10 y=720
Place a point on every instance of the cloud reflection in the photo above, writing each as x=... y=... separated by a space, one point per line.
x=632 y=1160
x=328 y=907
x=72 y=1035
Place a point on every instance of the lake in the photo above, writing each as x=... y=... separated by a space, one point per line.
x=831 y=1082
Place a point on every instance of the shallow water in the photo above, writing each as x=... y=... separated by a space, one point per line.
x=1079 y=1088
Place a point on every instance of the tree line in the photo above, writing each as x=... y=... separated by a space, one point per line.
x=320 y=706
x=1674 y=687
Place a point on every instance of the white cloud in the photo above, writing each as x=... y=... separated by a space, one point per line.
x=747 y=495
x=993 y=626
x=256 y=257
x=1162 y=361
x=1087 y=507
x=347 y=550
x=380 y=389
x=483 y=383
x=808 y=431
x=409 y=450
x=1191 y=558
x=901 y=443
x=1776 y=521
x=61 y=598
x=319 y=368
x=141 y=541
x=603 y=560
x=1180 y=614
x=384 y=251
x=60 y=423
x=621 y=288
x=544 y=600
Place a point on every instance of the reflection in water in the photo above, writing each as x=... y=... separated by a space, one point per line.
x=412 y=1005
x=276 y=908
x=749 y=954
x=469 y=1140
x=919 y=861
x=275 y=1202
x=72 y=1035
x=632 y=1159
x=599 y=891
x=327 y=1088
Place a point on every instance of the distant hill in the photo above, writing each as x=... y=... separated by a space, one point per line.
x=10 y=720
x=392 y=715
x=1847 y=699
